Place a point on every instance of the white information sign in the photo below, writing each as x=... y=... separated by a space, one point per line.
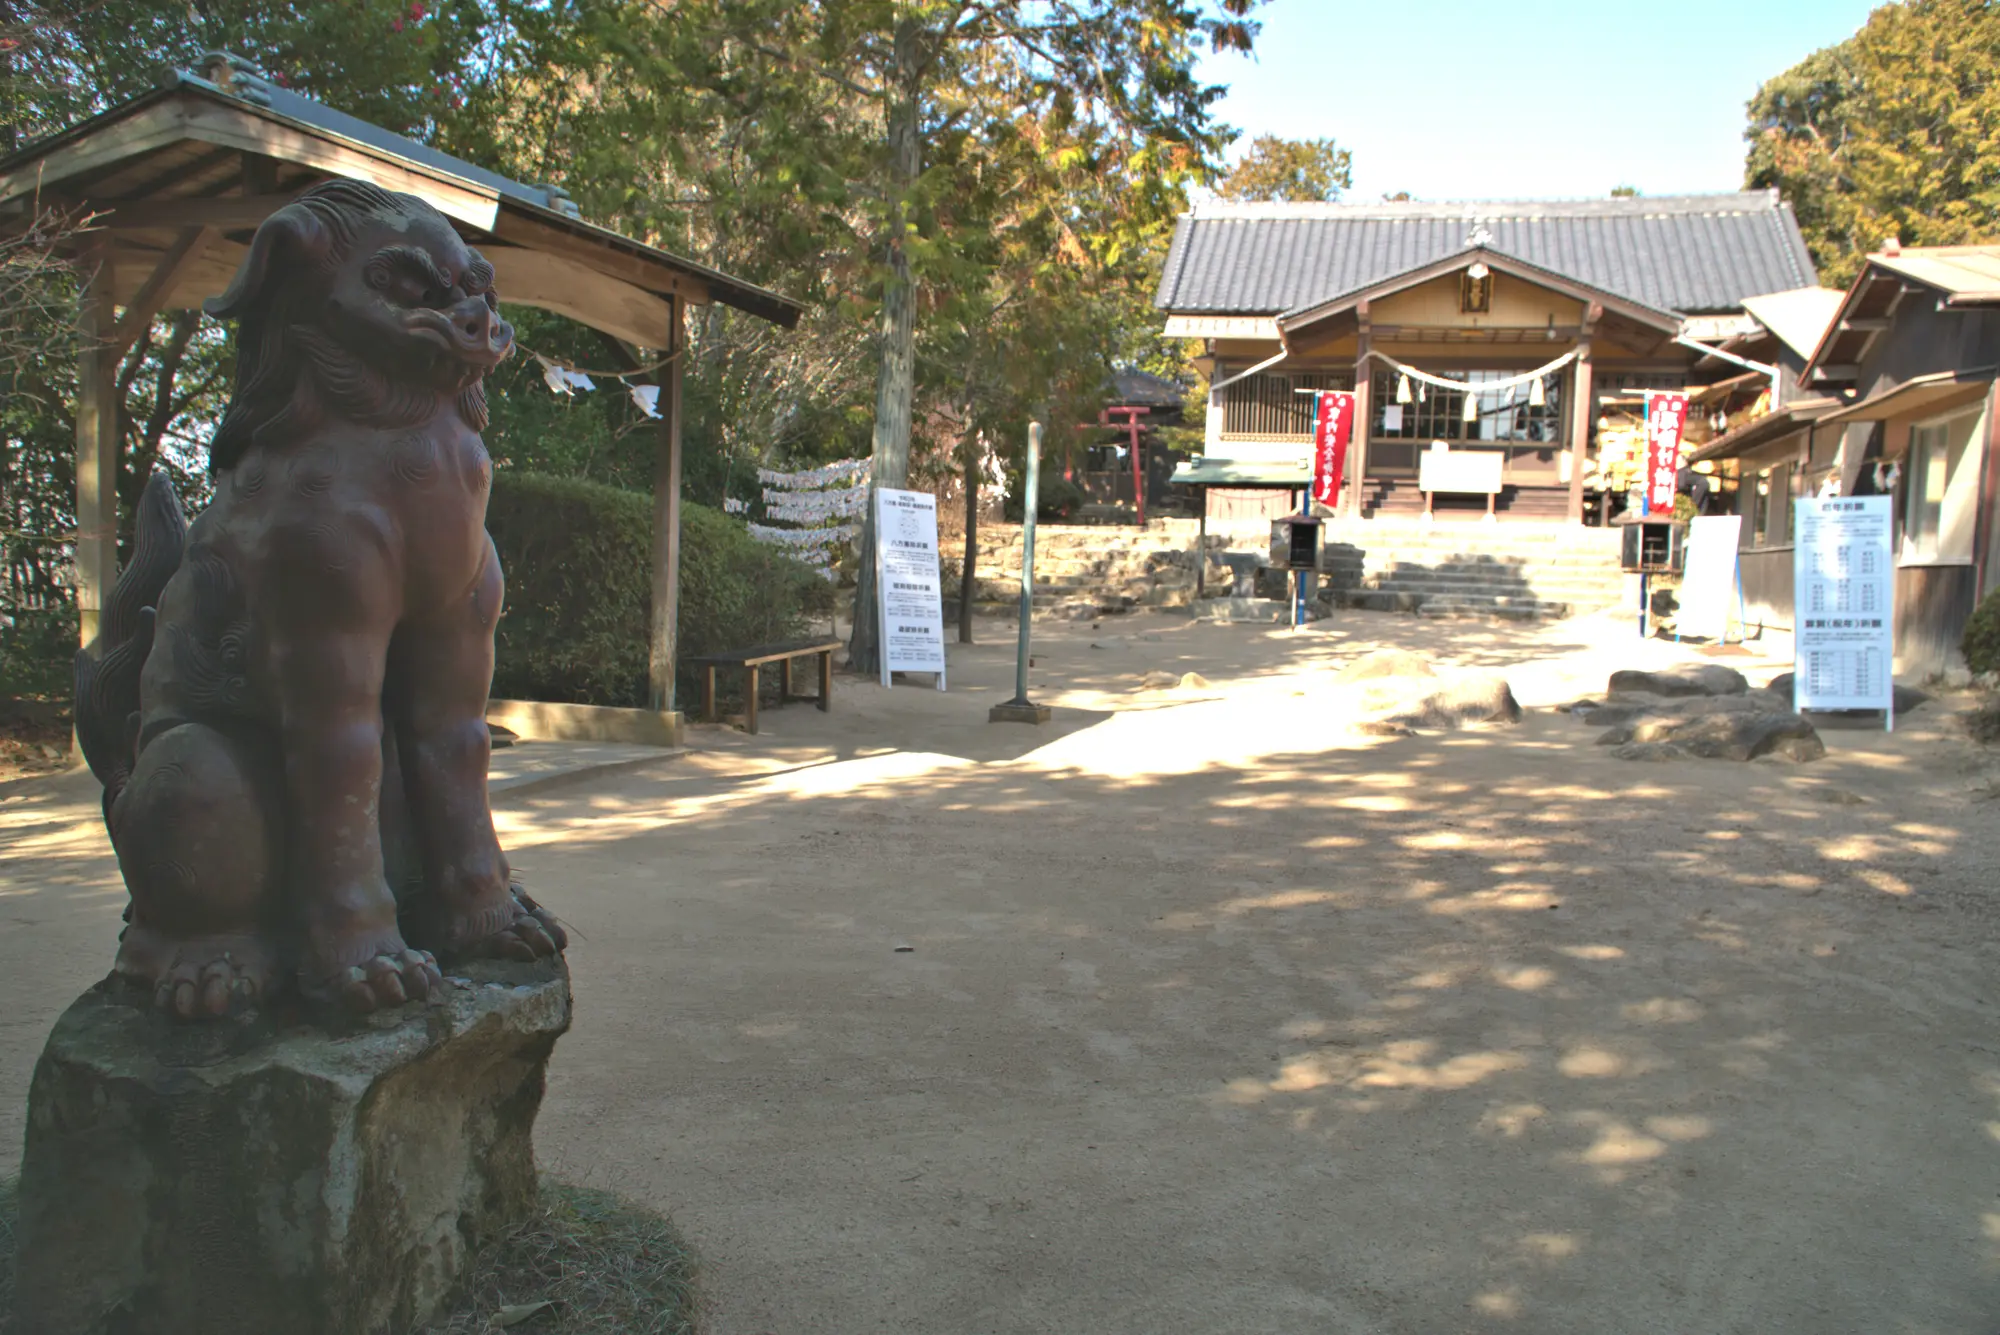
x=1708 y=581
x=907 y=582
x=1843 y=587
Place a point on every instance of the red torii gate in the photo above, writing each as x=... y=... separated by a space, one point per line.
x=1132 y=426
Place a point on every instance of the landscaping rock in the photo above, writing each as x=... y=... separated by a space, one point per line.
x=1474 y=697
x=1907 y=697
x=1242 y=609
x=233 y=1176
x=1158 y=681
x=1386 y=663
x=1629 y=707
x=1716 y=735
x=1691 y=679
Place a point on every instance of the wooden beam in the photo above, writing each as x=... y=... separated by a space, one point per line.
x=1838 y=371
x=1582 y=412
x=96 y=448
x=557 y=283
x=152 y=295
x=534 y=234
x=154 y=128
x=182 y=172
x=224 y=215
x=232 y=127
x=1873 y=324
x=205 y=275
x=663 y=651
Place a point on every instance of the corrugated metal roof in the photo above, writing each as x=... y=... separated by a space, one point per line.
x=1799 y=318
x=1958 y=271
x=1688 y=254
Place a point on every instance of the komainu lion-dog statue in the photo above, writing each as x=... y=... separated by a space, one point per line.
x=286 y=700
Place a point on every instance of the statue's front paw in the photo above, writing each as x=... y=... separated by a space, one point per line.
x=532 y=933
x=392 y=976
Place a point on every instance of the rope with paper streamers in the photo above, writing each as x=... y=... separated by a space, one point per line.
x=829 y=501
x=565 y=377
x=1466 y=386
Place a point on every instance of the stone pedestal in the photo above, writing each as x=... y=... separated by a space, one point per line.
x=228 y=1177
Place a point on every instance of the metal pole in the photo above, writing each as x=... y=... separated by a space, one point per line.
x=1029 y=502
x=1299 y=588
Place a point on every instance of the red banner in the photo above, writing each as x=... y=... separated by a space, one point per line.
x=1666 y=414
x=1333 y=425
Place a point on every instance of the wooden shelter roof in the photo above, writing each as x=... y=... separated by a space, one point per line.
x=181 y=177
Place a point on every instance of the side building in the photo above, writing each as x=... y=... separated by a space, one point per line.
x=1898 y=398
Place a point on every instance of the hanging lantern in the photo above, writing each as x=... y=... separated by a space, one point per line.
x=1423 y=392
x=1402 y=389
x=1537 y=396
x=1471 y=406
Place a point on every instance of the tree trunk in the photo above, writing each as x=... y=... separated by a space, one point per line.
x=895 y=385
x=968 y=570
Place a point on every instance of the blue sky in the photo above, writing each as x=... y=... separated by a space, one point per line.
x=1513 y=99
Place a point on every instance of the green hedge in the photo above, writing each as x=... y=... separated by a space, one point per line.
x=38 y=653
x=578 y=561
x=1982 y=635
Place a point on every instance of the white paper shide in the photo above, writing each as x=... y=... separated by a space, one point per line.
x=906 y=572
x=1844 y=586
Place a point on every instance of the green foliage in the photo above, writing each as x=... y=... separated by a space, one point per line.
x=578 y=561
x=1289 y=169
x=1982 y=635
x=37 y=653
x=1893 y=132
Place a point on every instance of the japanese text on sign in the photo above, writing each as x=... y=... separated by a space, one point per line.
x=911 y=597
x=1333 y=426
x=1843 y=583
x=1666 y=414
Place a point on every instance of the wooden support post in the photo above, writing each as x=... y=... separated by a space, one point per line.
x=1581 y=414
x=1364 y=386
x=96 y=448
x=662 y=658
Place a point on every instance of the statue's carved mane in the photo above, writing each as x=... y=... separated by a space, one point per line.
x=290 y=374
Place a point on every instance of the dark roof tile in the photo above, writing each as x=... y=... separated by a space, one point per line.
x=1688 y=253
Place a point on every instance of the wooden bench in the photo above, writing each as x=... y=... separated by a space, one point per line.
x=750 y=660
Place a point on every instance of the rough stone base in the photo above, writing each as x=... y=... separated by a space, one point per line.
x=1016 y=711
x=246 y=1177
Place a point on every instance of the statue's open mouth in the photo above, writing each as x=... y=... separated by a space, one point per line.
x=479 y=338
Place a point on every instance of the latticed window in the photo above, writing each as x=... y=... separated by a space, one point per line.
x=1271 y=406
x=1439 y=414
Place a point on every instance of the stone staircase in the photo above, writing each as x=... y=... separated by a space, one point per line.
x=1516 y=571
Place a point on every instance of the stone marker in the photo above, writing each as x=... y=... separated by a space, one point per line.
x=235 y=1178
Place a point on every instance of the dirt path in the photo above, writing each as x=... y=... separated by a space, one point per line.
x=1217 y=1018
